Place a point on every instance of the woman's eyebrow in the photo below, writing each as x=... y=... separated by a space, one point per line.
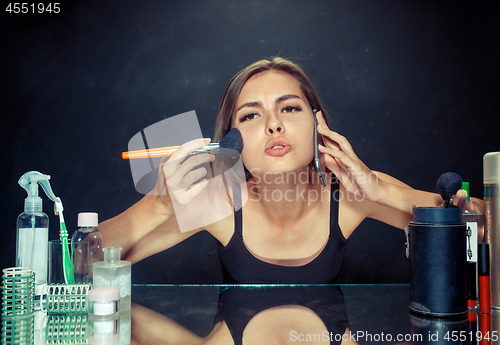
x=258 y=104
x=249 y=104
x=285 y=97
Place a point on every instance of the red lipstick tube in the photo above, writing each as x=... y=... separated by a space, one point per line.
x=483 y=251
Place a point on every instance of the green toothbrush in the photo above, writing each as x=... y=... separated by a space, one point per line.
x=63 y=235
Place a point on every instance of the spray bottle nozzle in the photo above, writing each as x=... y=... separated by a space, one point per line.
x=30 y=181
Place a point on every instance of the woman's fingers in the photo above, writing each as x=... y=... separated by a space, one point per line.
x=324 y=130
x=181 y=153
x=182 y=179
x=331 y=138
x=343 y=160
x=338 y=141
x=352 y=173
x=460 y=198
x=174 y=179
x=192 y=177
x=185 y=196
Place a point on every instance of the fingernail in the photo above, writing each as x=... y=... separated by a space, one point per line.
x=207 y=141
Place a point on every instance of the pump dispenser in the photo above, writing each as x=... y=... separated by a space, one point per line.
x=33 y=230
x=113 y=272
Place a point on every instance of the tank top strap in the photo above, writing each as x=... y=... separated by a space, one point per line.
x=237 y=205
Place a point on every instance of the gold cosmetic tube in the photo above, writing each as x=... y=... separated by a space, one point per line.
x=492 y=229
x=491 y=179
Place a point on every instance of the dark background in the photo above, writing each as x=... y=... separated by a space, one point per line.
x=412 y=84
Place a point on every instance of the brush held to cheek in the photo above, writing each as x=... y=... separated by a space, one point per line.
x=448 y=185
x=231 y=146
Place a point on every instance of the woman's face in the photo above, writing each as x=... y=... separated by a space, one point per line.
x=276 y=123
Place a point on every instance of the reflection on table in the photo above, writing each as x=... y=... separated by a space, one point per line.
x=312 y=314
x=259 y=314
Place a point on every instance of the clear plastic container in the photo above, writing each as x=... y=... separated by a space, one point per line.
x=32 y=245
x=88 y=232
x=116 y=273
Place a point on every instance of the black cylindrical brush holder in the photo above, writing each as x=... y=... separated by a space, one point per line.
x=428 y=330
x=438 y=266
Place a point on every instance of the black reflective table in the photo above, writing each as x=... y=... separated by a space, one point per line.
x=295 y=314
x=257 y=314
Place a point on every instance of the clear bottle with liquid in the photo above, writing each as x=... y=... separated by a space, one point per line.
x=114 y=272
x=33 y=231
x=83 y=260
x=32 y=243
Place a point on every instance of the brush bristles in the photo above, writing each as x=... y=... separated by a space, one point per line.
x=232 y=141
x=448 y=184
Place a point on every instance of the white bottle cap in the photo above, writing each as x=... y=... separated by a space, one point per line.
x=87 y=219
x=491 y=167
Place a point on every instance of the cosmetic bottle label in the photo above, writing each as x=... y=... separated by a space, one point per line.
x=122 y=283
x=471 y=241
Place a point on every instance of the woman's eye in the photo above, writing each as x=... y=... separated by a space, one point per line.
x=248 y=117
x=290 y=109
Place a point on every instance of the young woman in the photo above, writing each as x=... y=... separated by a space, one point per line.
x=291 y=229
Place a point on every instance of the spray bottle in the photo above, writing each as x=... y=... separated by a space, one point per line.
x=33 y=229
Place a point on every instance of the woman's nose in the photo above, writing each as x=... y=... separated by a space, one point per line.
x=274 y=129
x=275 y=125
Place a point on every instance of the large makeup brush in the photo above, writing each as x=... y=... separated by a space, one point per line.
x=447 y=185
x=231 y=145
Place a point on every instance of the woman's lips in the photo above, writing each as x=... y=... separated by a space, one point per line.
x=278 y=150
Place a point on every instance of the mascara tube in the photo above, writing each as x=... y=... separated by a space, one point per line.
x=483 y=252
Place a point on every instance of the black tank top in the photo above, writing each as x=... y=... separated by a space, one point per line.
x=237 y=306
x=240 y=266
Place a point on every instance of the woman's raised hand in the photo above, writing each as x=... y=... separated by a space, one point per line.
x=342 y=161
x=183 y=181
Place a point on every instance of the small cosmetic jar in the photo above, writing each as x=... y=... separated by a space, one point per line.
x=104 y=301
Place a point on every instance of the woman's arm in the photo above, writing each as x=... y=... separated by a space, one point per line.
x=150 y=327
x=128 y=228
x=395 y=205
x=377 y=195
x=165 y=236
x=177 y=183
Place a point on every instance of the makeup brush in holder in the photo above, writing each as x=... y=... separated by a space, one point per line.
x=437 y=253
